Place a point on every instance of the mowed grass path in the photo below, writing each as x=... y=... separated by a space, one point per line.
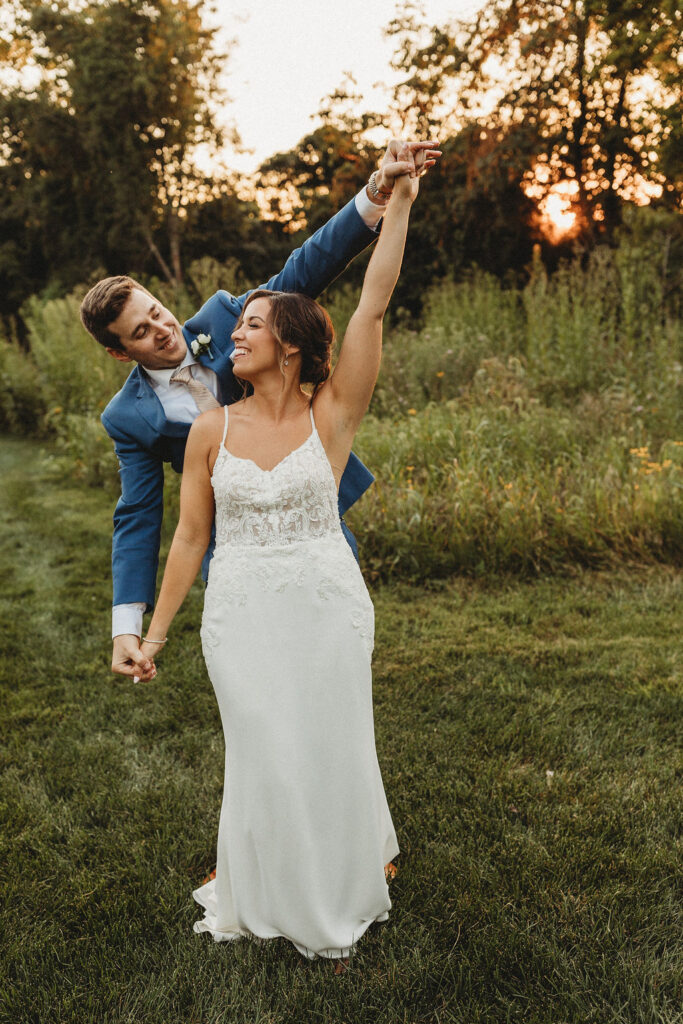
x=527 y=734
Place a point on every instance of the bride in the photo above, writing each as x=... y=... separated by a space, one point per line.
x=288 y=625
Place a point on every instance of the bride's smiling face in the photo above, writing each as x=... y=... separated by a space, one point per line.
x=256 y=347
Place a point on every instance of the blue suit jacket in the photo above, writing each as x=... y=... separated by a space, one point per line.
x=144 y=439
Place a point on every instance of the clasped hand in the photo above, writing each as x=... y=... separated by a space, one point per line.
x=405 y=158
x=132 y=658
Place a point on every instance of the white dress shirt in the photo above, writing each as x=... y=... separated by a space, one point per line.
x=179 y=407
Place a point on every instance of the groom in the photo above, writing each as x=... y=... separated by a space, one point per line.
x=181 y=371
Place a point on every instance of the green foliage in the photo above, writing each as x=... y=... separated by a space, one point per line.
x=97 y=162
x=501 y=427
x=204 y=277
x=83 y=450
x=510 y=485
x=528 y=740
x=588 y=90
x=22 y=403
x=77 y=375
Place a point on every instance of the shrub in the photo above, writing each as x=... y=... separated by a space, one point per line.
x=487 y=485
x=22 y=402
x=510 y=430
x=76 y=374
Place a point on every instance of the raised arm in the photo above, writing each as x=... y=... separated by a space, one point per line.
x=343 y=400
x=192 y=534
x=323 y=256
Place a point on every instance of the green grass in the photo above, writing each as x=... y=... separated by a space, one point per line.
x=522 y=896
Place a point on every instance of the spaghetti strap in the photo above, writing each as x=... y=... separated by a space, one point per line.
x=225 y=428
x=310 y=408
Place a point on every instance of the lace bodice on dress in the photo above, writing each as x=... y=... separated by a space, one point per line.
x=294 y=501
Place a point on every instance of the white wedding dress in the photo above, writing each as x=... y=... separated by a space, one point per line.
x=287 y=633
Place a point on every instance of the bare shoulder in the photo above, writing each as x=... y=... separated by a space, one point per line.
x=206 y=431
x=208 y=423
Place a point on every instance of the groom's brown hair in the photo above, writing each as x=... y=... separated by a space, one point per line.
x=103 y=304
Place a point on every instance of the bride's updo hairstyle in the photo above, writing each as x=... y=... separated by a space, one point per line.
x=297 y=320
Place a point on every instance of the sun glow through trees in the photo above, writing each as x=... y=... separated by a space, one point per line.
x=558 y=218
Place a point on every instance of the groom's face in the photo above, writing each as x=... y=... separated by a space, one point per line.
x=149 y=333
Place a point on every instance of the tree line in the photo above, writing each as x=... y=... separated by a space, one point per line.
x=105 y=104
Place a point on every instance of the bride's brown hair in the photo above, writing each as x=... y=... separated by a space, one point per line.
x=297 y=320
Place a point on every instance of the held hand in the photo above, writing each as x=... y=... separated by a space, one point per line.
x=129 y=660
x=151 y=651
x=404 y=157
x=406 y=187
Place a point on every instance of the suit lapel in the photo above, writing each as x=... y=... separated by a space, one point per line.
x=221 y=364
x=151 y=409
x=217 y=363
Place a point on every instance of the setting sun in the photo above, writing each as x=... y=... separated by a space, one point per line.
x=556 y=203
x=557 y=214
x=557 y=206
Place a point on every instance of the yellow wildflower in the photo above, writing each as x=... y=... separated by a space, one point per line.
x=412 y=412
x=440 y=373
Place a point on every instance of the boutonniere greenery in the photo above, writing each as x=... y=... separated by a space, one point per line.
x=201 y=344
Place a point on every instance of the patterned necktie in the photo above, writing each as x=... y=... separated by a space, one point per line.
x=202 y=396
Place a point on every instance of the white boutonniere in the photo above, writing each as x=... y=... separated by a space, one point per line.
x=201 y=344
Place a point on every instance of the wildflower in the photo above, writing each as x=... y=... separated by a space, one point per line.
x=666 y=463
x=412 y=412
x=440 y=373
x=410 y=468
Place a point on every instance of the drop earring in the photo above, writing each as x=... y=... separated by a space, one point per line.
x=287 y=359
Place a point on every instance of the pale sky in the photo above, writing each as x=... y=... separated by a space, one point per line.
x=292 y=53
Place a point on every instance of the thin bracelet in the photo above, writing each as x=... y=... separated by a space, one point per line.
x=147 y=640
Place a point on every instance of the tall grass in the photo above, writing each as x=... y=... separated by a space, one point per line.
x=495 y=487
x=511 y=429
x=596 y=323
